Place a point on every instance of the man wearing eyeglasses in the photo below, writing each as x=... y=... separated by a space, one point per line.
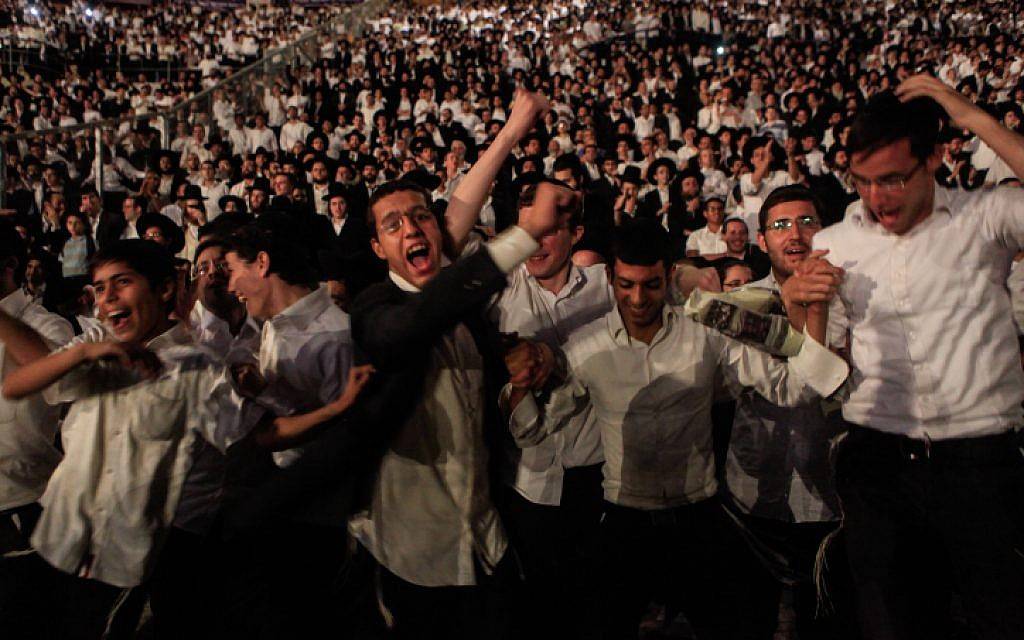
x=780 y=487
x=430 y=520
x=930 y=476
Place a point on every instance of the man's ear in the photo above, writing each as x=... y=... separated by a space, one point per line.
x=377 y=248
x=577 y=234
x=761 y=243
x=263 y=263
x=167 y=290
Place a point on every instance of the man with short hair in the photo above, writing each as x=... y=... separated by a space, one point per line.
x=779 y=479
x=707 y=241
x=649 y=373
x=737 y=243
x=930 y=473
x=441 y=547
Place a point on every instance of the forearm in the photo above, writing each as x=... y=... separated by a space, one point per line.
x=285 y=432
x=468 y=198
x=23 y=343
x=1007 y=144
x=816 y=325
x=36 y=376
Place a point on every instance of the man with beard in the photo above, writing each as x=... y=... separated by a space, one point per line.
x=320 y=181
x=779 y=480
x=930 y=473
x=833 y=186
x=737 y=243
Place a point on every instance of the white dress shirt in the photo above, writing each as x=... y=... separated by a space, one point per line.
x=430 y=514
x=778 y=464
x=533 y=312
x=129 y=446
x=28 y=425
x=706 y=242
x=305 y=353
x=932 y=340
x=653 y=402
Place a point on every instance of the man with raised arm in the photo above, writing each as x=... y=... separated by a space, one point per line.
x=930 y=476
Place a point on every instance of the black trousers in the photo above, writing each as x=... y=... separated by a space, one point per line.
x=693 y=552
x=788 y=551
x=558 y=547
x=924 y=520
x=484 y=610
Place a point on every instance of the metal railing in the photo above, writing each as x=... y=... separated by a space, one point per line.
x=244 y=89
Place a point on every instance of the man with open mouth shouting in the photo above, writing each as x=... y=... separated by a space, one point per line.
x=429 y=521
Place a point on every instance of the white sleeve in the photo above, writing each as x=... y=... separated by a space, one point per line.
x=813 y=372
x=1001 y=216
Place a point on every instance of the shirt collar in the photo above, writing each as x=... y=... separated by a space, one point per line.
x=622 y=338
x=176 y=336
x=575 y=281
x=305 y=309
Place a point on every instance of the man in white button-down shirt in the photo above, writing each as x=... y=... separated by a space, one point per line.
x=930 y=480
x=649 y=374
x=555 y=499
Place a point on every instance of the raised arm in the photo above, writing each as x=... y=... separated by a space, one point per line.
x=964 y=114
x=41 y=373
x=468 y=198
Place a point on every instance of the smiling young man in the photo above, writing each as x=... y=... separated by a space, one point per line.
x=649 y=375
x=931 y=473
x=303 y=358
x=142 y=398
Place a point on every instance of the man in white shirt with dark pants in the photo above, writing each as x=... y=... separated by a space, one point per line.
x=649 y=374
x=930 y=480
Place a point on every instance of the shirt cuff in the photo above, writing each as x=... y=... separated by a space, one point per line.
x=511 y=248
x=821 y=369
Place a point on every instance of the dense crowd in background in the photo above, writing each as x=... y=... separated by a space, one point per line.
x=671 y=123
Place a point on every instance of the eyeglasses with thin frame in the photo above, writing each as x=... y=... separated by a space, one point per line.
x=392 y=223
x=209 y=268
x=889 y=184
x=784 y=224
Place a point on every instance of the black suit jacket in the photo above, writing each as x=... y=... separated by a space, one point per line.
x=397 y=330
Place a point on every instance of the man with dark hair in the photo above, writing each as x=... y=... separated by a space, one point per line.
x=303 y=359
x=779 y=480
x=106 y=226
x=430 y=520
x=738 y=247
x=649 y=374
x=143 y=399
x=554 y=503
x=930 y=475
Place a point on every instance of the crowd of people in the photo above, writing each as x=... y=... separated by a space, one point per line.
x=410 y=349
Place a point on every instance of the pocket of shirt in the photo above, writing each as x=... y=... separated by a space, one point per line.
x=155 y=414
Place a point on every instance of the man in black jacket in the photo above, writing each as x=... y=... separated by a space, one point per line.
x=429 y=519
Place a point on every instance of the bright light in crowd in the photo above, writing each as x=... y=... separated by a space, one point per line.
x=34 y=11
x=88 y=12
x=720 y=50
